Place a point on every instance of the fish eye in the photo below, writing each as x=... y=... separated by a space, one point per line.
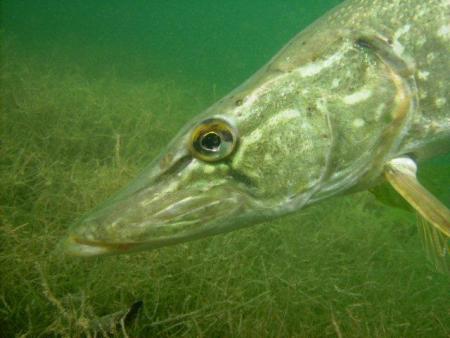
x=210 y=141
x=213 y=139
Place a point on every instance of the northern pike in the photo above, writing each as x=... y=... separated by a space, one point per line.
x=359 y=98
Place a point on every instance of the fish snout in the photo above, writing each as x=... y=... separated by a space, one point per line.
x=152 y=217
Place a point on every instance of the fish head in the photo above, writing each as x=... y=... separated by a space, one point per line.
x=229 y=168
x=185 y=193
x=266 y=149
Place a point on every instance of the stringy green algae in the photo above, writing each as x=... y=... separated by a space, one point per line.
x=71 y=137
x=348 y=266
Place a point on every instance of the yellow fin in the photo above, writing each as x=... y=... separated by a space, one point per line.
x=401 y=174
x=436 y=245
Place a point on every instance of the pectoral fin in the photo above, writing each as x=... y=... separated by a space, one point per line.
x=436 y=245
x=401 y=174
x=434 y=223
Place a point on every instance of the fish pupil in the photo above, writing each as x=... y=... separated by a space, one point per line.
x=211 y=141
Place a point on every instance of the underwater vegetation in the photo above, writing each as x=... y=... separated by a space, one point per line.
x=347 y=267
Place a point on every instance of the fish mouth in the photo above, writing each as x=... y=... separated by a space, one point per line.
x=159 y=214
x=77 y=246
x=81 y=247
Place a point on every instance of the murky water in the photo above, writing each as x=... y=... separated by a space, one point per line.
x=91 y=91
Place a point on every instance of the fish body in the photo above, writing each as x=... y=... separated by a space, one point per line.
x=365 y=84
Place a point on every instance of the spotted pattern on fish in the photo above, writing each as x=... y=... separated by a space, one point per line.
x=317 y=81
x=365 y=84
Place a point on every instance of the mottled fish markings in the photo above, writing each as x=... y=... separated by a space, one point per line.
x=354 y=100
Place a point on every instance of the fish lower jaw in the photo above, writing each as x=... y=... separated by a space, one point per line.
x=74 y=247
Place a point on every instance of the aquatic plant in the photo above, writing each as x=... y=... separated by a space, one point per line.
x=349 y=267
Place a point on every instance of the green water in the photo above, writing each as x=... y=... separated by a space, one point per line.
x=90 y=92
x=219 y=43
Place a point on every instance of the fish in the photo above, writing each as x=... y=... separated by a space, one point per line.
x=357 y=99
